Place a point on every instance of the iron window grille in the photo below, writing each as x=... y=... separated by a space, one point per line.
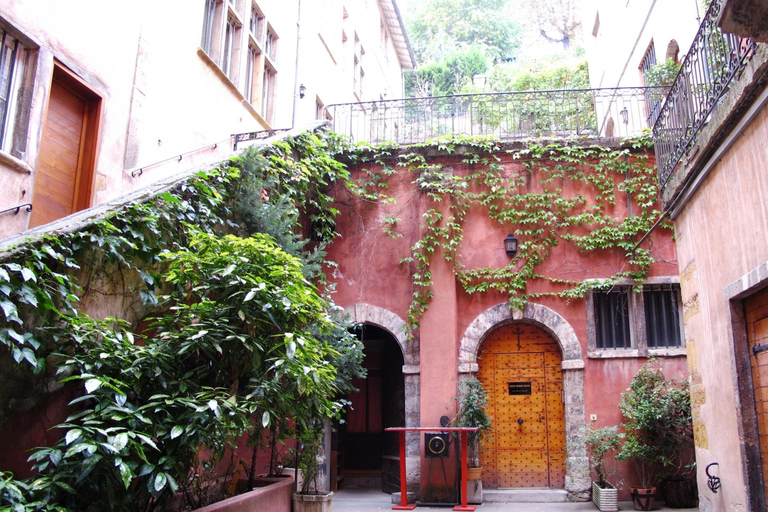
x=627 y=319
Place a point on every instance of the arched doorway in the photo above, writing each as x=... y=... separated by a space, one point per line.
x=520 y=366
x=368 y=456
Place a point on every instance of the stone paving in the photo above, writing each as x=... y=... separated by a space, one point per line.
x=367 y=500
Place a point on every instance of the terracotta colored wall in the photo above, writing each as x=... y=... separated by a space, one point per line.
x=369 y=272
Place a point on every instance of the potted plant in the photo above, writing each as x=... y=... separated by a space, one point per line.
x=658 y=431
x=310 y=497
x=600 y=442
x=473 y=402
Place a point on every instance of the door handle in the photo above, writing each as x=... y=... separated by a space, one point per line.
x=520 y=421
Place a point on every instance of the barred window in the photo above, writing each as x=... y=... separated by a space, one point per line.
x=612 y=318
x=637 y=319
x=662 y=316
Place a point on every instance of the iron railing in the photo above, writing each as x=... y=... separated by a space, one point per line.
x=619 y=112
x=714 y=61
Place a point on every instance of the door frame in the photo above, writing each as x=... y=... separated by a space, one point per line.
x=577 y=479
x=85 y=174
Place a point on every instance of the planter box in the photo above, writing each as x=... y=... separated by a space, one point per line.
x=311 y=502
x=275 y=497
x=605 y=498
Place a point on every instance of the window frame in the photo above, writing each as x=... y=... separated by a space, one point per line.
x=637 y=322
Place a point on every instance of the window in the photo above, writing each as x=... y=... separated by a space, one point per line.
x=251 y=70
x=357 y=68
x=624 y=321
x=612 y=315
x=231 y=29
x=268 y=94
x=662 y=316
x=9 y=71
x=231 y=47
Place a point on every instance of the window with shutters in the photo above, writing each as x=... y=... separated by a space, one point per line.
x=16 y=63
x=627 y=321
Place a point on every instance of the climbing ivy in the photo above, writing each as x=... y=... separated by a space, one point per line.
x=230 y=313
x=542 y=217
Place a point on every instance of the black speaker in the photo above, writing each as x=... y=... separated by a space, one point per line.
x=437 y=445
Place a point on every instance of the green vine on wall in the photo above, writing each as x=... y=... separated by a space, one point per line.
x=542 y=218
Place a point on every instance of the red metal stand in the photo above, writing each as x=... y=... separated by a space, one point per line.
x=404 y=484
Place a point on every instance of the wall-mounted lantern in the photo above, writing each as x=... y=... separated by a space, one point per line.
x=302 y=91
x=624 y=115
x=510 y=245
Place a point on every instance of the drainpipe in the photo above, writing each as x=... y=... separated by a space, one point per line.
x=296 y=73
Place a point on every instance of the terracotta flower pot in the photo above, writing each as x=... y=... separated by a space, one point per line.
x=475 y=485
x=643 y=497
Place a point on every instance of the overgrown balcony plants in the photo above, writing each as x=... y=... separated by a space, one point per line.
x=226 y=313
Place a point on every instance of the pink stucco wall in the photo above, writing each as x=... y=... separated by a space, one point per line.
x=723 y=237
x=369 y=272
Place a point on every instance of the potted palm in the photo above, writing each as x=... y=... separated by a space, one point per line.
x=310 y=497
x=473 y=402
x=658 y=429
x=600 y=443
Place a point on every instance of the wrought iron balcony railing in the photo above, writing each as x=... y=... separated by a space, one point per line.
x=714 y=61
x=620 y=112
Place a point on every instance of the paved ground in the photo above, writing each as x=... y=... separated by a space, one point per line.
x=365 y=500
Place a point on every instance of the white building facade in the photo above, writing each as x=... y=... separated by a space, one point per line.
x=101 y=98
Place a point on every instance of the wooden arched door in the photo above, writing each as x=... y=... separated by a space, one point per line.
x=520 y=368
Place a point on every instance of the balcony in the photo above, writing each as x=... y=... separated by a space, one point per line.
x=713 y=63
x=584 y=113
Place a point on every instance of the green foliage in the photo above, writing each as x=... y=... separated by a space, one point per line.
x=442 y=26
x=239 y=339
x=448 y=76
x=658 y=425
x=662 y=73
x=473 y=403
x=601 y=442
x=540 y=76
x=543 y=217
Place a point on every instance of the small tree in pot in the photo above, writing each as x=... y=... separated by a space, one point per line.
x=658 y=429
x=473 y=402
x=600 y=442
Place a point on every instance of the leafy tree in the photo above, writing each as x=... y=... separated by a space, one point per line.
x=447 y=76
x=442 y=26
x=551 y=75
x=557 y=20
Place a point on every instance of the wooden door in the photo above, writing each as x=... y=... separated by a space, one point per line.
x=64 y=174
x=520 y=370
x=757 y=333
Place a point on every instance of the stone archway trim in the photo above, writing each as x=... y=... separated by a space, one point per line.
x=577 y=478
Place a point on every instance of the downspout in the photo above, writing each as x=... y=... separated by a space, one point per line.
x=296 y=71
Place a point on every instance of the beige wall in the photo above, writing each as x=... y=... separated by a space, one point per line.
x=722 y=236
x=625 y=31
x=164 y=97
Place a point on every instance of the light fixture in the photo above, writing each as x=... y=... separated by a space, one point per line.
x=624 y=115
x=510 y=245
x=303 y=91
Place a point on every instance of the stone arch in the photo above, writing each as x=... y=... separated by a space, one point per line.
x=577 y=479
x=374 y=315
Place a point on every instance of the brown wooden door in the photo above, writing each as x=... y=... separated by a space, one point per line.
x=520 y=370
x=64 y=174
x=757 y=334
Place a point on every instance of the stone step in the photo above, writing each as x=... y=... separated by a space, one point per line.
x=525 y=495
